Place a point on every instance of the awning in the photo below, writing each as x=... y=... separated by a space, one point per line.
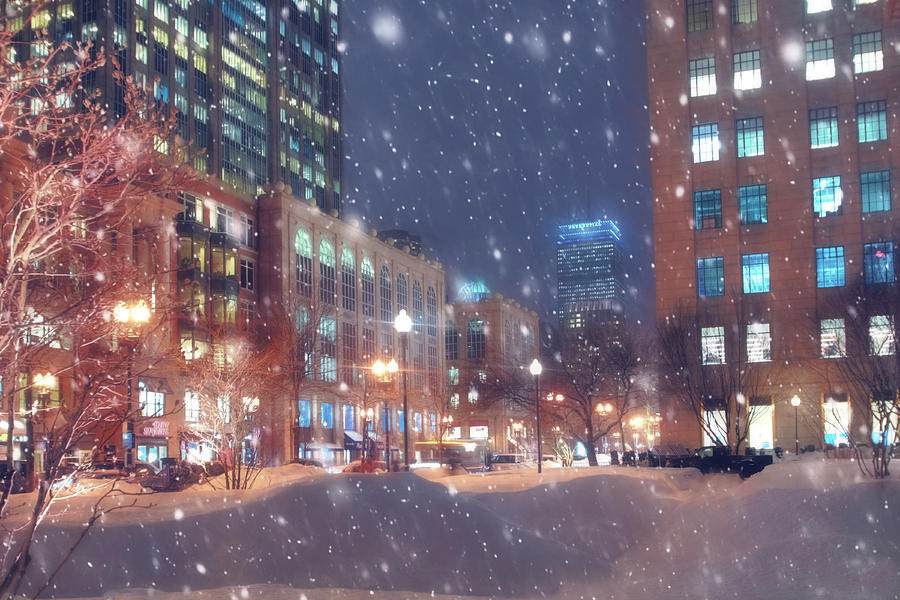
x=352 y=440
x=324 y=446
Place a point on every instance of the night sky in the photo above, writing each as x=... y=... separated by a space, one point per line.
x=482 y=125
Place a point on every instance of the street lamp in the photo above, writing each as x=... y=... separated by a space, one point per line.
x=795 y=402
x=130 y=319
x=369 y=415
x=403 y=324
x=535 y=370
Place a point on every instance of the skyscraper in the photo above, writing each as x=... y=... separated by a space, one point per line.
x=256 y=83
x=773 y=152
x=590 y=266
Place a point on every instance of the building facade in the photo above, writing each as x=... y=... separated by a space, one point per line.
x=590 y=267
x=489 y=337
x=256 y=84
x=773 y=152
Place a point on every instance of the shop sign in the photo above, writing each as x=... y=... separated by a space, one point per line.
x=156 y=429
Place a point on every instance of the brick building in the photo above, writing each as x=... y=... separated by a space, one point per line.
x=774 y=130
x=488 y=337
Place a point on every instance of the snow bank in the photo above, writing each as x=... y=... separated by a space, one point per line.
x=805 y=528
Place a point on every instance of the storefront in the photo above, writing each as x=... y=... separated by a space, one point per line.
x=152 y=441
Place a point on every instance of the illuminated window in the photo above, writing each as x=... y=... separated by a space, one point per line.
x=881 y=335
x=871 y=121
x=327 y=349
x=830 y=266
x=708 y=209
x=368 y=288
x=699 y=15
x=817 y=6
x=823 y=127
x=755 y=270
x=875 y=189
x=326 y=272
x=710 y=277
x=750 y=139
x=712 y=345
x=191 y=406
x=752 y=204
x=832 y=338
x=386 y=288
x=161 y=11
x=836 y=419
x=402 y=293
x=747 y=72
x=705 y=142
x=153 y=404
x=827 y=196
x=759 y=343
x=819 y=59
x=303 y=263
x=431 y=307
x=702 y=72
x=744 y=11
x=878 y=262
x=867 y=52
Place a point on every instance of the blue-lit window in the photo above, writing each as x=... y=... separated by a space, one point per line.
x=752 y=204
x=303 y=413
x=327 y=415
x=827 y=196
x=349 y=424
x=417 y=422
x=830 y=266
x=755 y=269
x=823 y=127
x=705 y=142
x=708 y=209
x=711 y=276
x=878 y=261
x=750 y=137
x=871 y=121
x=400 y=421
x=875 y=189
x=385 y=419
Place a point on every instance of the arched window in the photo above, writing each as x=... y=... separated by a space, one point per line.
x=402 y=293
x=507 y=336
x=418 y=317
x=303 y=262
x=348 y=280
x=475 y=339
x=326 y=272
x=368 y=288
x=386 y=289
x=431 y=306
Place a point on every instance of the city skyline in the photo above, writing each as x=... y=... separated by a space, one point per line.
x=543 y=128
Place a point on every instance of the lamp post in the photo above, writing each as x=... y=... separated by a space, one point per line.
x=129 y=320
x=446 y=424
x=535 y=370
x=795 y=402
x=369 y=415
x=403 y=324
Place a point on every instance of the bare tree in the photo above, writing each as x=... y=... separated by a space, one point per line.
x=74 y=181
x=232 y=387
x=595 y=371
x=716 y=376
x=863 y=361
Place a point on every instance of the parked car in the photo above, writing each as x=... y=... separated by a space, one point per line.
x=506 y=462
x=718 y=459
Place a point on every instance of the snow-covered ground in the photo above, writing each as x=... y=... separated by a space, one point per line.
x=801 y=529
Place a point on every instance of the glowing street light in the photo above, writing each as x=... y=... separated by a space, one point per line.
x=402 y=323
x=795 y=402
x=535 y=370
